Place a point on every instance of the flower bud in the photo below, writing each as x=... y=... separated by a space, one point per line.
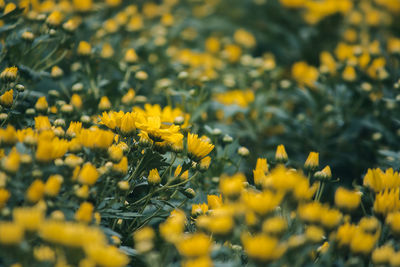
x=243 y=151
x=154 y=177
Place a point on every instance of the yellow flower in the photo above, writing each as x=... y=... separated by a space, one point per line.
x=197 y=147
x=305 y=74
x=122 y=166
x=232 y=52
x=72 y=161
x=131 y=56
x=362 y=243
x=198 y=209
x=53 y=185
x=331 y=218
x=198 y=262
x=9 y=74
x=55 y=18
x=82 y=192
x=393 y=45
x=107 y=51
x=155 y=130
x=262 y=247
x=127 y=126
x=4 y=196
x=95 y=138
x=123 y=185
x=262 y=165
x=324 y=174
x=312 y=161
x=129 y=97
x=194 y=245
x=280 y=154
x=349 y=74
x=115 y=153
x=220 y=225
x=35 y=191
x=70 y=233
x=84 y=213
x=144 y=234
x=72 y=24
x=328 y=62
x=393 y=220
x=154 y=177
x=167 y=19
x=382 y=255
x=172 y=229
x=10 y=233
x=84 y=48
x=12 y=161
x=274 y=226
x=377 y=180
x=107 y=256
x=76 y=101
x=82 y=5
x=232 y=186
x=345 y=234
x=112 y=119
x=8 y=135
x=314 y=234
x=262 y=203
x=6 y=99
x=74 y=128
x=104 y=103
x=42 y=123
x=48 y=150
x=347 y=199
x=244 y=38
x=88 y=174
x=28 y=218
x=44 y=253
x=242 y=98
x=310 y=212
x=144 y=239
x=135 y=23
x=205 y=163
x=56 y=72
x=214 y=201
x=212 y=45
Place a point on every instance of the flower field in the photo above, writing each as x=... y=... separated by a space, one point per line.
x=199 y=133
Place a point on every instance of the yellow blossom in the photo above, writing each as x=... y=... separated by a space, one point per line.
x=35 y=191
x=198 y=148
x=4 y=196
x=154 y=177
x=88 y=174
x=262 y=247
x=84 y=48
x=122 y=166
x=10 y=233
x=347 y=199
x=194 y=245
x=85 y=212
x=280 y=155
x=312 y=161
x=107 y=256
x=44 y=253
x=6 y=99
x=9 y=74
x=53 y=185
x=28 y=218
